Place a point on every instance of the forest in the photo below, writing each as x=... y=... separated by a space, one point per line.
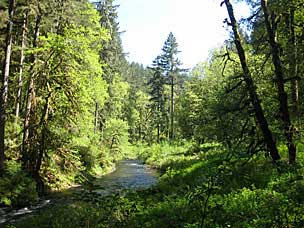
x=225 y=136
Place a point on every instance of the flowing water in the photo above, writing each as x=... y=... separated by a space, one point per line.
x=128 y=175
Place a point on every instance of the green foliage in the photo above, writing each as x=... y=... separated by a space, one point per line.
x=68 y=80
x=74 y=84
x=196 y=190
x=161 y=155
x=219 y=179
x=17 y=189
x=137 y=114
x=164 y=84
x=74 y=215
x=116 y=136
x=215 y=105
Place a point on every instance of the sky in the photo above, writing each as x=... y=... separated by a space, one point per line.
x=196 y=24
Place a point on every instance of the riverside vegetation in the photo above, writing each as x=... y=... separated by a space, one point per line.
x=209 y=188
x=225 y=135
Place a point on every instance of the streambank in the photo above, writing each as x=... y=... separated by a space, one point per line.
x=127 y=175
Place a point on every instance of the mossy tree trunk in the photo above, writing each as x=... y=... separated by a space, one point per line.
x=4 y=79
x=259 y=113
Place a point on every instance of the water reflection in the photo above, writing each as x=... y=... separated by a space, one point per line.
x=129 y=174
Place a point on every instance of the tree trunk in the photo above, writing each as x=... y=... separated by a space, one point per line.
x=158 y=120
x=20 y=81
x=140 y=131
x=172 y=108
x=96 y=117
x=292 y=59
x=4 y=89
x=25 y=158
x=259 y=114
x=38 y=162
x=282 y=95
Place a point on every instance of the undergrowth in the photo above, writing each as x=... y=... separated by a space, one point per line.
x=198 y=188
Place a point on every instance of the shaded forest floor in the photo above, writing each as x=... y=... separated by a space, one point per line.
x=205 y=186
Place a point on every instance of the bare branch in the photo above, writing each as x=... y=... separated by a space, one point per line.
x=292 y=78
x=234 y=87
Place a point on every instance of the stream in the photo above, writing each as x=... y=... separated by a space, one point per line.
x=128 y=175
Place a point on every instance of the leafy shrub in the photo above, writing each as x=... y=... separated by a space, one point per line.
x=17 y=189
x=116 y=135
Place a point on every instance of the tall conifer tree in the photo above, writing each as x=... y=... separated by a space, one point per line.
x=112 y=55
x=171 y=66
x=156 y=84
x=166 y=68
